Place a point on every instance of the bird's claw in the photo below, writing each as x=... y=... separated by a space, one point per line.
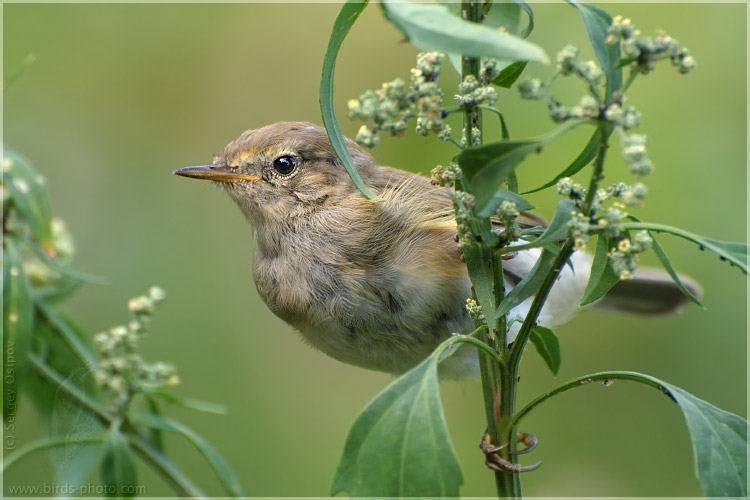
x=498 y=463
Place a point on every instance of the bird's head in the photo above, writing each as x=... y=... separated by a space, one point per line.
x=283 y=170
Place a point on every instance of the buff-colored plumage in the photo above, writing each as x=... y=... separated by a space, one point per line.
x=376 y=284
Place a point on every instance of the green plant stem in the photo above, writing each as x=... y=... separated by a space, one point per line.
x=508 y=485
x=182 y=485
x=514 y=358
x=585 y=380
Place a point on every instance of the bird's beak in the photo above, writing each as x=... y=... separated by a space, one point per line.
x=217 y=173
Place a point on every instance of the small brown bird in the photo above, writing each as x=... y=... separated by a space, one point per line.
x=378 y=284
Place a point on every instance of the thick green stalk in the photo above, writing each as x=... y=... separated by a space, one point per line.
x=496 y=410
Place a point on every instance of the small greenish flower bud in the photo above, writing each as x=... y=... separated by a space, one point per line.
x=566 y=59
x=101 y=339
x=367 y=137
x=428 y=64
x=445 y=134
x=445 y=175
x=560 y=113
x=579 y=229
x=157 y=294
x=611 y=220
x=507 y=211
x=532 y=89
x=642 y=167
x=623 y=263
x=62 y=239
x=565 y=186
x=589 y=106
x=474 y=310
x=141 y=305
x=634 y=195
x=489 y=70
x=641 y=241
x=468 y=84
x=118 y=332
x=613 y=113
x=630 y=118
x=476 y=136
x=683 y=60
x=591 y=72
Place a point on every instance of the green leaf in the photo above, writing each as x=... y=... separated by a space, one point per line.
x=509 y=74
x=117 y=468
x=719 y=445
x=719 y=438
x=602 y=277
x=558 y=227
x=192 y=404
x=156 y=436
x=529 y=285
x=29 y=197
x=530 y=26
x=501 y=195
x=432 y=27
x=585 y=157
x=220 y=466
x=18 y=323
x=485 y=167
x=14 y=74
x=548 y=346
x=399 y=445
x=733 y=252
x=597 y=22
x=505 y=14
x=659 y=251
x=349 y=13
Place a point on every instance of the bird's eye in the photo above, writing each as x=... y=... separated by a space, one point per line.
x=285 y=165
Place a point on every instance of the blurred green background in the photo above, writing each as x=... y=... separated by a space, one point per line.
x=121 y=95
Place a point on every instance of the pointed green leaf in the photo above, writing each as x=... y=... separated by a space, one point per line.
x=29 y=197
x=585 y=157
x=597 y=22
x=349 y=13
x=14 y=74
x=733 y=252
x=18 y=323
x=503 y=14
x=530 y=26
x=192 y=404
x=399 y=445
x=602 y=277
x=558 y=227
x=117 y=468
x=662 y=254
x=486 y=167
x=509 y=74
x=433 y=27
x=156 y=436
x=529 y=285
x=719 y=438
x=720 y=447
x=501 y=195
x=220 y=466
x=548 y=346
